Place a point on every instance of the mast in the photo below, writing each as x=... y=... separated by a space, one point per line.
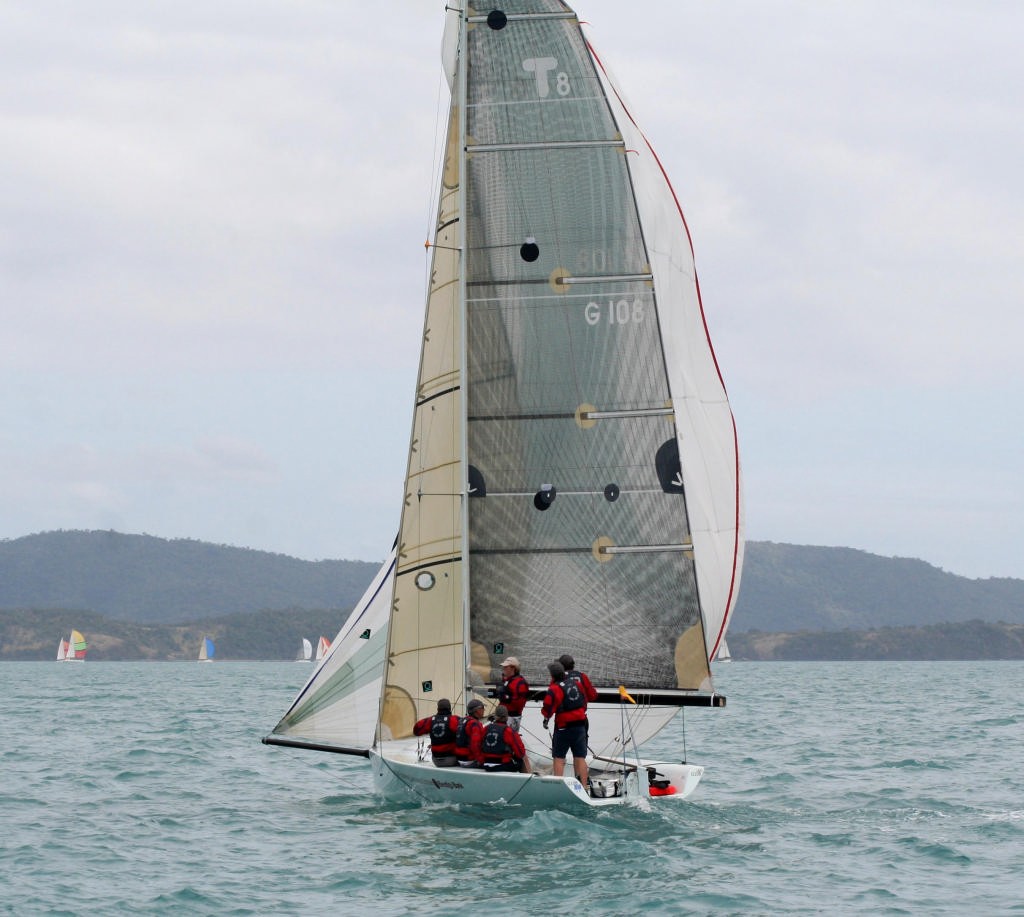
x=460 y=101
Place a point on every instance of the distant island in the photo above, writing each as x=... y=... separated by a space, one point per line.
x=143 y=597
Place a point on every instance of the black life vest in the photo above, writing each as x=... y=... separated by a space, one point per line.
x=572 y=693
x=442 y=736
x=462 y=737
x=496 y=750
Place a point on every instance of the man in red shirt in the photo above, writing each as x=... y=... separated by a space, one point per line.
x=567 y=703
x=503 y=749
x=441 y=728
x=514 y=691
x=469 y=736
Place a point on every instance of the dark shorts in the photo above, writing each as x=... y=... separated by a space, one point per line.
x=572 y=738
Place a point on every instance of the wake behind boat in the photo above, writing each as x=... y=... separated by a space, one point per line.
x=573 y=481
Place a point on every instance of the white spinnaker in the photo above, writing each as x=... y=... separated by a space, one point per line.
x=706 y=429
x=338 y=705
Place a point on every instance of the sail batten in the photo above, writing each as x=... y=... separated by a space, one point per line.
x=519 y=17
x=546 y=145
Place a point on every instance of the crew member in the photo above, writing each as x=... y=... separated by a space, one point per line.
x=503 y=749
x=441 y=728
x=514 y=691
x=569 y=664
x=567 y=703
x=469 y=736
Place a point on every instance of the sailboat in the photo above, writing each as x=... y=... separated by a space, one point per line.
x=206 y=650
x=305 y=653
x=62 y=650
x=322 y=647
x=76 y=647
x=573 y=480
x=723 y=652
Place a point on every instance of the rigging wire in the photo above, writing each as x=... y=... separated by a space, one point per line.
x=434 y=188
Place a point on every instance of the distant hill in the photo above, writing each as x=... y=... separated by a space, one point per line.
x=140 y=597
x=951 y=641
x=155 y=580
x=790 y=587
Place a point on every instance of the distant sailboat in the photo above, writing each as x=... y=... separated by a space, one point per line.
x=723 y=652
x=62 y=650
x=76 y=648
x=322 y=648
x=206 y=650
x=305 y=653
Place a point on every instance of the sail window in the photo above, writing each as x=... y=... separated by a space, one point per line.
x=544 y=497
x=529 y=250
x=497 y=20
x=425 y=580
x=611 y=493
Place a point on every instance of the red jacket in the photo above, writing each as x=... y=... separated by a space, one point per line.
x=468 y=740
x=514 y=694
x=442 y=740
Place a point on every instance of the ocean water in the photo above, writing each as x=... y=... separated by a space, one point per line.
x=831 y=788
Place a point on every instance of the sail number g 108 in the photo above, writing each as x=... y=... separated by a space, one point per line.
x=614 y=312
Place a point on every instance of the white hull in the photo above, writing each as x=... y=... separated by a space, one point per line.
x=398 y=773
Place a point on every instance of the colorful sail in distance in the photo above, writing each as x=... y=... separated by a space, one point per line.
x=76 y=647
x=206 y=650
x=322 y=647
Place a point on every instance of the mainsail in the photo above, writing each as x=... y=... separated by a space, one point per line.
x=573 y=481
x=305 y=653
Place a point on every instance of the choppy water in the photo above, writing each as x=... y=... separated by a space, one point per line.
x=849 y=788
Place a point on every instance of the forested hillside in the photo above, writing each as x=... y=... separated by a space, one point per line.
x=155 y=580
x=141 y=597
x=790 y=587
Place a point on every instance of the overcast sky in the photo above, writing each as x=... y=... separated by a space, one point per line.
x=212 y=218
